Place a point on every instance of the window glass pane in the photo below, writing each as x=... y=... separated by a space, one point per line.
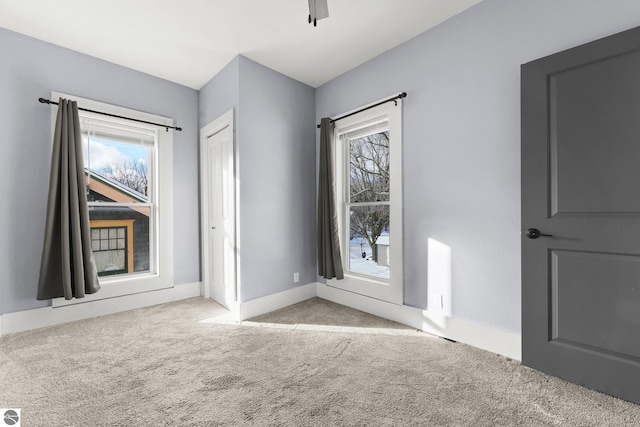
x=130 y=253
x=117 y=171
x=111 y=262
x=369 y=168
x=369 y=240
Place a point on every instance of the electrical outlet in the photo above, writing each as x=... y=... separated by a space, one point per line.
x=296 y=277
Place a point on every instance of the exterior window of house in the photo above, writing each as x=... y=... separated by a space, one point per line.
x=369 y=192
x=111 y=242
x=129 y=187
x=109 y=245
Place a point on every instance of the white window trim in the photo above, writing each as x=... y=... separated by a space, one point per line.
x=162 y=278
x=390 y=290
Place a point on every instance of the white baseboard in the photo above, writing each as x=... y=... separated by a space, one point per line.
x=259 y=306
x=496 y=341
x=48 y=316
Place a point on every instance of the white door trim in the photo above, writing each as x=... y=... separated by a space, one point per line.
x=230 y=276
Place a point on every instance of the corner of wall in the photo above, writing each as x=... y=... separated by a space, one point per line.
x=269 y=303
x=476 y=335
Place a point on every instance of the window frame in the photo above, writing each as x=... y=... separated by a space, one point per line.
x=161 y=231
x=127 y=225
x=390 y=290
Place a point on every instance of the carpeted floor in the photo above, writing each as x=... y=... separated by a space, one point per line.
x=315 y=363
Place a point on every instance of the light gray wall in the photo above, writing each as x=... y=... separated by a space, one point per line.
x=461 y=148
x=31 y=69
x=220 y=94
x=462 y=138
x=277 y=181
x=274 y=144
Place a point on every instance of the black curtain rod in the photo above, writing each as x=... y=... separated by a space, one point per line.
x=179 y=129
x=394 y=99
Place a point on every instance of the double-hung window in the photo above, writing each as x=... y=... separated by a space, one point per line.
x=369 y=193
x=128 y=177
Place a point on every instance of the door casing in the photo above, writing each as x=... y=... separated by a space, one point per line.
x=229 y=294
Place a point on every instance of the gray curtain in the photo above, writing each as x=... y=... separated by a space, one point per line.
x=329 y=261
x=67 y=268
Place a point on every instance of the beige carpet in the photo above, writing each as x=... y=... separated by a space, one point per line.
x=315 y=363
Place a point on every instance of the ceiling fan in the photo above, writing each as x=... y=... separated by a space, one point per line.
x=318 y=9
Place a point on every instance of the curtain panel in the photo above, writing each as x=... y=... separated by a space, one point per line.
x=67 y=267
x=329 y=260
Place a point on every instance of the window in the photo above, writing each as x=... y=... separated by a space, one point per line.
x=369 y=192
x=367 y=203
x=110 y=250
x=130 y=202
x=119 y=173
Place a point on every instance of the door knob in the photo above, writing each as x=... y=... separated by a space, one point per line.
x=534 y=233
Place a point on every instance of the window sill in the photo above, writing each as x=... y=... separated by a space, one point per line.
x=116 y=287
x=365 y=278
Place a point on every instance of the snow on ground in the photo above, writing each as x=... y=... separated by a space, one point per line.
x=364 y=265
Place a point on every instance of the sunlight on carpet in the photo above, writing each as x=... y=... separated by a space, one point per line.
x=226 y=319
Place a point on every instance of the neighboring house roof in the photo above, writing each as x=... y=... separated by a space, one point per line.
x=125 y=191
x=113 y=189
x=382 y=240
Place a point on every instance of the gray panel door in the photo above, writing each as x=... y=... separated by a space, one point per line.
x=581 y=185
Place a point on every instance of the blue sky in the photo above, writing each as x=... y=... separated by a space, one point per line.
x=105 y=152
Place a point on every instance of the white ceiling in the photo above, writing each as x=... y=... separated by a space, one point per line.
x=190 y=41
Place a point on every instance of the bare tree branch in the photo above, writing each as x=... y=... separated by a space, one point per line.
x=369 y=182
x=132 y=174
